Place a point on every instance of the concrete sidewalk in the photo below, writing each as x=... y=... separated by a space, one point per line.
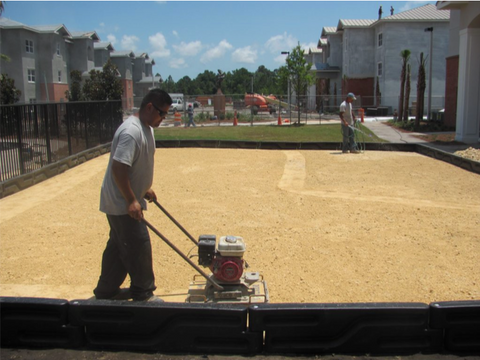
x=389 y=133
x=386 y=132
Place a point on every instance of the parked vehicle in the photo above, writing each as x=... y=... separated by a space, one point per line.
x=260 y=103
x=177 y=105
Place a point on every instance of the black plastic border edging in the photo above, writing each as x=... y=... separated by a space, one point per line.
x=459 y=161
x=356 y=328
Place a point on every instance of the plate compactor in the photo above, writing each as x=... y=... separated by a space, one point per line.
x=228 y=283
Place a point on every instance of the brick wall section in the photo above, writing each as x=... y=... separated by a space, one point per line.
x=360 y=87
x=451 y=87
x=56 y=92
x=127 y=97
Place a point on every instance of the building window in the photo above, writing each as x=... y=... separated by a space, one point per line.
x=31 y=75
x=379 y=69
x=58 y=49
x=380 y=39
x=29 y=46
x=59 y=76
x=33 y=101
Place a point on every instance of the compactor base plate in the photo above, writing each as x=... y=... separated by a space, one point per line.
x=250 y=289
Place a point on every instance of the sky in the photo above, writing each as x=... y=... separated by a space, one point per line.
x=185 y=38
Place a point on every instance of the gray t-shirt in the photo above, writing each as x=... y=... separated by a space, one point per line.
x=133 y=145
x=346 y=108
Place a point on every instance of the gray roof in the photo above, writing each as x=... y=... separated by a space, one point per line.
x=426 y=12
x=12 y=24
x=324 y=67
x=345 y=23
x=57 y=28
x=322 y=42
x=103 y=45
x=7 y=23
x=314 y=51
x=148 y=80
x=122 y=53
x=328 y=30
x=85 y=34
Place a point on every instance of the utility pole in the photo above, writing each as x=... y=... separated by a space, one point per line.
x=429 y=100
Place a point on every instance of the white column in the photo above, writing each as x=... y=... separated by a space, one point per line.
x=468 y=103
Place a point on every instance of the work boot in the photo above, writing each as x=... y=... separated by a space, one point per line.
x=123 y=294
x=152 y=298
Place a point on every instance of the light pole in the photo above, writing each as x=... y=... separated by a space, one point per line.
x=288 y=96
x=429 y=100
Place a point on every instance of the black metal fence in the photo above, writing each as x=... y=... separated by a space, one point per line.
x=35 y=135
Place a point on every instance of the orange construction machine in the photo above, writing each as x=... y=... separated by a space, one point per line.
x=260 y=103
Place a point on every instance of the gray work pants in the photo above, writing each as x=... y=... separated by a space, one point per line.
x=128 y=251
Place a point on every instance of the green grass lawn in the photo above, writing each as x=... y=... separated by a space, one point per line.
x=310 y=133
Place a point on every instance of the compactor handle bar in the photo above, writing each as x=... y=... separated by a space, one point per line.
x=175 y=222
x=208 y=278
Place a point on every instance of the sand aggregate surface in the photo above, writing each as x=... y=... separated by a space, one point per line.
x=320 y=226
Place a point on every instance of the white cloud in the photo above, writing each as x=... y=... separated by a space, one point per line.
x=216 y=52
x=178 y=63
x=129 y=42
x=159 y=45
x=279 y=43
x=112 y=39
x=245 y=55
x=280 y=59
x=175 y=33
x=409 y=5
x=190 y=49
x=309 y=45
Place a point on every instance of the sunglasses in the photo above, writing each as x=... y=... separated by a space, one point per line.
x=160 y=112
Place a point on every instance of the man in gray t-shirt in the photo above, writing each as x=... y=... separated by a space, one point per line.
x=347 y=118
x=126 y=185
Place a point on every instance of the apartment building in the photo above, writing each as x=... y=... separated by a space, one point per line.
x=462 y=91
x=363 y=57
x=38 y=59
x=42 y=57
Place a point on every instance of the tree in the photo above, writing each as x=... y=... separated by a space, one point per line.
x=421 y=85
x=185 y=86
x=168 y=85
x=9 y=94
x=405 y=54
x=75 y=93
x=298 y=71
x=407 y=94
x=103 y=85
x=238 y=81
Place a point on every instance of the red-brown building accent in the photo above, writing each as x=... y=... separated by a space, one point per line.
x=451 y=89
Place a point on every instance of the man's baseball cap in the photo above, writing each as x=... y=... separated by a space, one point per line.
x=351 y=95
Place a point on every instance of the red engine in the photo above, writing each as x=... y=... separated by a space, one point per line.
x=227 y=268
x=225 y=262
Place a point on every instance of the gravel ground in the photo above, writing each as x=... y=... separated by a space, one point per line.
x=319 y=226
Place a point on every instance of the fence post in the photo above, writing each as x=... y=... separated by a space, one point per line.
x=69 y=130
x=86 y=125
x=47 y=133
x=19 y=138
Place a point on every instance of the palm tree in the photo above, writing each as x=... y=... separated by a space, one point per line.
x=421 y=85
x=407 y=95
x=405 y=54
